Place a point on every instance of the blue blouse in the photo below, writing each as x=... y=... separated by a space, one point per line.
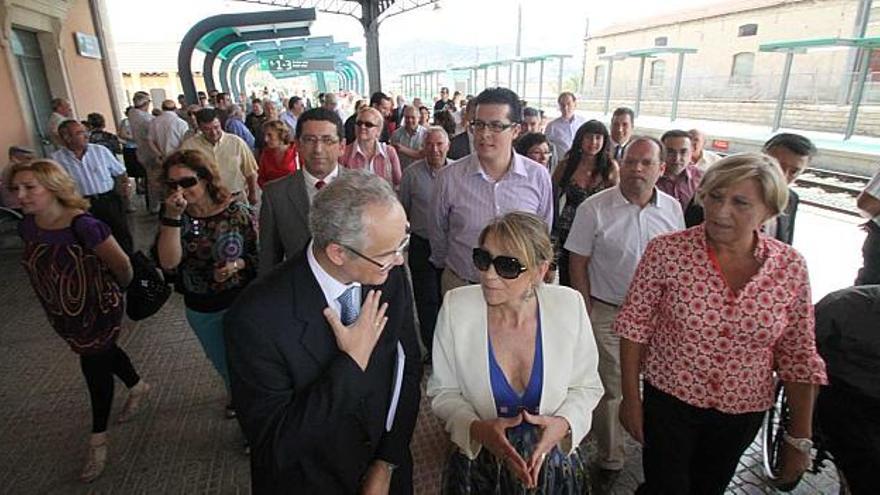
x=508 y=402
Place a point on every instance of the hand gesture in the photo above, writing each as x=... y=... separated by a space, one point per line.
x=632 y=418
x=225 y=271
x=175 y=203
x=490 y=433
x=359 y=339
x=377 y=481
x=553 y=430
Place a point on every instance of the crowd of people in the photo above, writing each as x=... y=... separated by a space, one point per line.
x=568 y=280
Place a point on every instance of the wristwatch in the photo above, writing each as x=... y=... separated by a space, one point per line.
x=804 y=445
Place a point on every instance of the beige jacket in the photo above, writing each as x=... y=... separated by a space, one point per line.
x=460 y=388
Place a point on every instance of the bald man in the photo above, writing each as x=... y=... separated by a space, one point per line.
x=700 y=156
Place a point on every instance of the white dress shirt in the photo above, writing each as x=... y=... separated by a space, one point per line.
x=331 y=287
x=311 y=180
x=561 y=132
x=167 y=131
x=614 y=233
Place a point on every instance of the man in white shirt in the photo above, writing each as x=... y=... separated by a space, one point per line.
x=700 y=156
x=561 y=130
x=139 y=118
x=608 y=237
x=295 y=108
x=61 y=111
x=167 y=131
x=869 y=204
x=408 y=139
x=284 y=214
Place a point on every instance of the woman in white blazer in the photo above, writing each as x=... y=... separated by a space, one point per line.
x=514 y=369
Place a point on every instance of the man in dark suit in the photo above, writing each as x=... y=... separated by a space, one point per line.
x=793 y=152
x=460 y=146
x=284 y=214
x=327 y=388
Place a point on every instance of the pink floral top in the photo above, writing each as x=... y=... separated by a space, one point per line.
x=711 y=347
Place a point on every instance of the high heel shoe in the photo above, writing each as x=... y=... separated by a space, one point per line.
x=133 y=403
x=95 y=463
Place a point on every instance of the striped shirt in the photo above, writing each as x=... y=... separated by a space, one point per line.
x=93 y=174
x=466 y=199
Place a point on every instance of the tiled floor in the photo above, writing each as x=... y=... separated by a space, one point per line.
x=181 y=443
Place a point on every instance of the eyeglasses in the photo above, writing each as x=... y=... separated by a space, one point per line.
x=383 y=267
x=314 y=140
x=365 y=123
x=494 y=126
x=186 y=183
x=505 y=266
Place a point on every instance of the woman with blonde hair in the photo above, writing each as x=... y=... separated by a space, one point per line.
x=711 y=314
x=515 y=369
x=78 y=270
x=211 y=240
x=367 y=152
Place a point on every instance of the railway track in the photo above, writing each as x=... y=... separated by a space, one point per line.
x=830 y=190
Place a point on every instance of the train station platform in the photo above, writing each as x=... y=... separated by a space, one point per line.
x=859 y=155
x=181 y=443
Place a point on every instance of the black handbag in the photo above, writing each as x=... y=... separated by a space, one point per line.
x=148 y=290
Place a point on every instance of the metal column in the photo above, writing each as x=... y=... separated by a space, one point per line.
x=510 y=75
x=561 y=62
x=676 y=91
x=639 y=86
x=783 y=89
x=857 y=96
x=608 y=85
x=525 y=80
x=540 y=81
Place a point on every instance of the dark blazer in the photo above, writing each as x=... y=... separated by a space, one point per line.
x=284 y=220
x=459 y=147
x=693 y=215
x=313 y=418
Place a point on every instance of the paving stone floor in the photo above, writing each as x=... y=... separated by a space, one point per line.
x=181 y=443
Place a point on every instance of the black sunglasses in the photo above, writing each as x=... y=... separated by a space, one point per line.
x=364 y=123
x=186 y=183
x=505 y=266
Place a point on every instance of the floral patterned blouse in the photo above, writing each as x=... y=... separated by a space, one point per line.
x=711 y=347
x=210 y=242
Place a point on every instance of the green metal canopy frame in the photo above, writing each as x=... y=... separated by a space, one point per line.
x=642 y=54
x=790 y=47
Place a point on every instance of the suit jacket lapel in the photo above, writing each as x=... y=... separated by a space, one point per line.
x=317 y=336
x=299 y=197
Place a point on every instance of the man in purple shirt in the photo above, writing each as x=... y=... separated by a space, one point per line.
x=681 y=178
x=484 y=185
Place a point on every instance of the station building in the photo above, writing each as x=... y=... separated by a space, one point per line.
x=54 y=48
x=728 y=68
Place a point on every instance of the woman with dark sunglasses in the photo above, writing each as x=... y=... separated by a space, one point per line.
x=211 y=240
x=367 y=152
x=515 y=369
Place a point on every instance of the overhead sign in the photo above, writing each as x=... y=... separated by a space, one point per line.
x=287 y=65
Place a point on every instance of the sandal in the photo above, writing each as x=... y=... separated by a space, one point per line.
x=95 y=463
x=133 y=403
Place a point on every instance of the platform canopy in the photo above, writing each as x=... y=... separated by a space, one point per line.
x=791 y=47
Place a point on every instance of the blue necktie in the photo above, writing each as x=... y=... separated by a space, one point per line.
x=349 y=308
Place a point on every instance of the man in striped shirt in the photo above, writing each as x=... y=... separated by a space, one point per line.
x=491 y=181
x=96 y=173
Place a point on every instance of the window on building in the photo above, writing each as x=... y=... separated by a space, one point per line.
x=661 y=41
x=748 y=30
x=658 y=71
x=741 y=70
x=600 y=50
x=599 y=76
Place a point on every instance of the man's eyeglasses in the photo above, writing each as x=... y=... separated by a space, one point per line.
x=186 y=183
x=494 y=126
x=366 y=123
x=383 y=267
x=314 y=140
x=505 y=266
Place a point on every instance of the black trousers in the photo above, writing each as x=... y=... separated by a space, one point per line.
x=426 y=287
x=690 y=450
x=870 y=271
x=850 y=426
x=108 y=208
x=98 y=369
